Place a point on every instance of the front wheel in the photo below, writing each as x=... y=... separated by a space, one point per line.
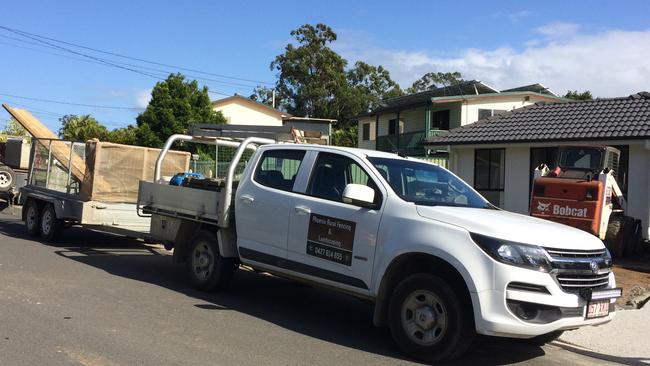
x=206 y=269
x=427 y=319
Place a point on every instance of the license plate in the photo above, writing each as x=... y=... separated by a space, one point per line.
x=597 y=309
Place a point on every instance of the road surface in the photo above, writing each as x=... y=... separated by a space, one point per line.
x=97 y=299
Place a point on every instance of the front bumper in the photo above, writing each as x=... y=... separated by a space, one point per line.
x=493 y=317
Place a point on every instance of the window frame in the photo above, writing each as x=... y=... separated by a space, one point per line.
x=365 y=131
x=260 y=161
x=490 y=189
x=379 y=197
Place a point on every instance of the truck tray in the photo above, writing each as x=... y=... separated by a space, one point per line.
x=163 y=199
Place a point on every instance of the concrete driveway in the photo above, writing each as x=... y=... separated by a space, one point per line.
x=98 y=299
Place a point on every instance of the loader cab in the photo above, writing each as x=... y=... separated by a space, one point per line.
x=577 y=161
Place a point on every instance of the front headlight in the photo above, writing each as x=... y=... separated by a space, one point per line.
x=516 y=254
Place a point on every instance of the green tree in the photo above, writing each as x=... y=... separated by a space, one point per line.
x=264 y=95
x=314 y=81
x=433 y=80
x=175 y=105
x=81 y=128
x=125 y=135
x=14 y=128
x=576 y=95
x=311 y=76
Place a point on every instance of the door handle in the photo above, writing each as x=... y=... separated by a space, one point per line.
x=247 y=198
x=302 y=210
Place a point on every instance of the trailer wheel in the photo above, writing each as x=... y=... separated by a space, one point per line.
x=51 y=227
x=206 y=269
x=7 y=178
x=32 y=217
x=427 y=321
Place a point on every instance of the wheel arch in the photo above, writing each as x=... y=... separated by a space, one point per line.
x=408 y=264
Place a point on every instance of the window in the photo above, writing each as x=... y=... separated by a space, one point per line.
x=485 y=113
x=392 y=127
x=278 y=168
x=489 y=174
x=365 y=132
x=427 y=184
x=440 y=120
x=333 y=172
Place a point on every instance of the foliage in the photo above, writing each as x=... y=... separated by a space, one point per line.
x=81 y=128
x=175 y=105
x=14 y=129
x=311 y=76
x=433 y=80
x=346 y=136
x=314 y=81
x=264 y=95
x=125 y=135
x=575 y=95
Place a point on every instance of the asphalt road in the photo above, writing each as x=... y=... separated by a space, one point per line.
x=97 y=299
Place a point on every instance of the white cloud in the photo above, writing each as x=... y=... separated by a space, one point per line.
x=142 y=98
x=611 y=63
x=558 y=29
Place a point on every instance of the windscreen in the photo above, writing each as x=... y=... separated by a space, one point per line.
x=427 y=184
x=581 y=158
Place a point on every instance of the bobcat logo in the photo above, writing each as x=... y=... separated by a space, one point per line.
x=543 y=207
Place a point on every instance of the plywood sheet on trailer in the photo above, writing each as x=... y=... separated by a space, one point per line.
x=60 y=150
x=113 y=171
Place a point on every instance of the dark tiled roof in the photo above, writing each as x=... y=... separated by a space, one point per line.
x=599 y=119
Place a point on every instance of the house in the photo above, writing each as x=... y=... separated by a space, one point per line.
x=498 y=154
x=240 y=110
x=402 y=123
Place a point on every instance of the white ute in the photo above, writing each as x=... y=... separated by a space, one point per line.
x=440 y=263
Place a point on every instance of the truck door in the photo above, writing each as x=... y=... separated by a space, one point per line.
x=263 y=203
x=332 y=240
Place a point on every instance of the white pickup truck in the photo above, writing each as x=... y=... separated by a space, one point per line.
x=440 y=263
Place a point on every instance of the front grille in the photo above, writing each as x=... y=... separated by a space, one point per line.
x=576 y=253
x=577 y=282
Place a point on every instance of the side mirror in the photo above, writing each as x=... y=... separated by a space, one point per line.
x=359 y=195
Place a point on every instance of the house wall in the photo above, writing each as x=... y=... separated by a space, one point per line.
x=368 y=144
x=248 y=114
x=517 y=174
x=470 y=108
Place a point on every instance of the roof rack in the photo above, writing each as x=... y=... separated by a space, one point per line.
x=279 y=133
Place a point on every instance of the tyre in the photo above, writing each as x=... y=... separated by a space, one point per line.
x=7 y=178
x=32 y=216
x=428 y=320
x=51 y=227
x=544 y=338
x=206 y=269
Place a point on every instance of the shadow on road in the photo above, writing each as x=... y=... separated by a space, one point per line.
x=311 y=311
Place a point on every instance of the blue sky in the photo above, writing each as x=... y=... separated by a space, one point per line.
x=603 y=46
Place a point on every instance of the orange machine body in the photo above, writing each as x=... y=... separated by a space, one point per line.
x=573 y=202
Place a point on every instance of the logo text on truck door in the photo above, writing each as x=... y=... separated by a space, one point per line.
x=331 y=239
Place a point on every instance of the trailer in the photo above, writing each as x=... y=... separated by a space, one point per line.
x=61 y=191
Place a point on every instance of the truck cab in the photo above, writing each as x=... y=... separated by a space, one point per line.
x=440 y=263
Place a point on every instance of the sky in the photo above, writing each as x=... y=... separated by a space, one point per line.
x=601 y=46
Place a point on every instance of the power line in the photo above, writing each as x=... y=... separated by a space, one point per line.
x=30 y=35
x=70 y=103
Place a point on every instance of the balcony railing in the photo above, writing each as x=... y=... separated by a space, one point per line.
x=409 y=143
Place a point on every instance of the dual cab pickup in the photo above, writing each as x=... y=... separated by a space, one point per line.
x=440 y=263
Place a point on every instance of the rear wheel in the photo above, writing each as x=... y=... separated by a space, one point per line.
x=206 y=269
x=7 y=178
x=51 y=227
x=32 y=218
x=428 y=321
